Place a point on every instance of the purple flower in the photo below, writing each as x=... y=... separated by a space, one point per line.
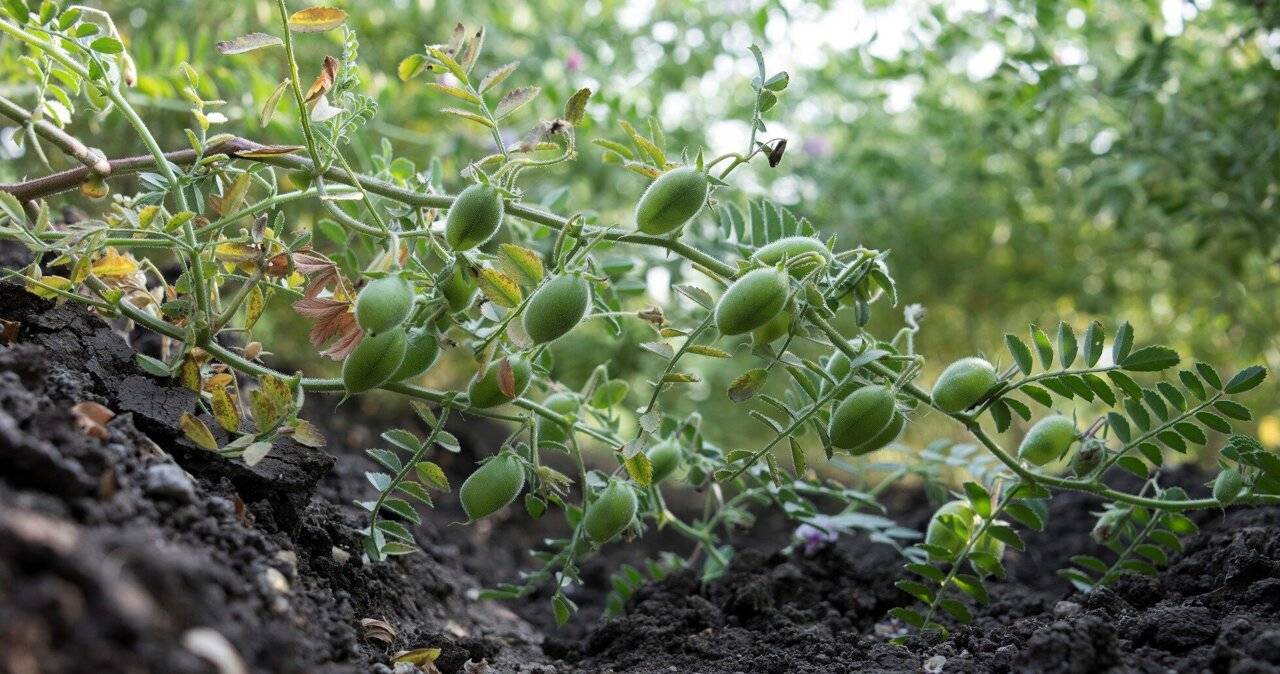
x=574 y=61
x=815 y=536
x=817 y=146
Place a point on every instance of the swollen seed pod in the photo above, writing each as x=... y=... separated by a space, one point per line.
x=556 y=308
x=373 y=361
x=950 y=526
x=672 y=201
x=562 y=403
x=1227 y=486
x=420 y=351
x=866 y=416
x=474 y=217
x=1109 y=523
x=611 y=512
x=665 y=458
x=384 y=303
x=963 y=384
x=458 y=289
x=775 y=329
x=1087 y=458
x=1048 y=439
x=751 y=301
x=793 y=247
x=484 y=390
x=493 y=486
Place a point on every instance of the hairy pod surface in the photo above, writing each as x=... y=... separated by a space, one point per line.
x=458 y=288
x=474 y=217
x=1227 y=486
x=373 y=361
x=1048 y=439
x=556 y=308
x=421 y=348
x=793 y=247
x=611 y=512
x=866 y=416
x=775 y=329
x=963 y=384
x=384 y=304
x=665 y=458
x=950 y=526
x=751 y=301
x=485 y=392
x=671 y=201
x=561 y=403
x=493 y=486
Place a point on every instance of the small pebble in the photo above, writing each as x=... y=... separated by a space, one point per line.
x=165 y=480
x=1066 y=608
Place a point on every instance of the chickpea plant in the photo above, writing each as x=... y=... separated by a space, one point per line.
x=397 y=268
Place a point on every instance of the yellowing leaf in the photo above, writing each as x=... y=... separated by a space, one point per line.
x=317 y=19
x=189 y=373
x=307 y=434
x=640 y=468
x=44 y=286
x=270 y=403
x=253 y=306
x=235 y=253
x=417 y=657
x=501 y=289
x=114 y=264
x=410 y=67
x=197 y=432
x=521 y=263
x=224 y=409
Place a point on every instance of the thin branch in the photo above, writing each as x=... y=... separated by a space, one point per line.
x=92 y=158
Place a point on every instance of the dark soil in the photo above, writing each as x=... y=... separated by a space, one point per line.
x=138 y=552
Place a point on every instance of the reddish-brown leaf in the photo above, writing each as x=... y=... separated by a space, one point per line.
x=506 y=378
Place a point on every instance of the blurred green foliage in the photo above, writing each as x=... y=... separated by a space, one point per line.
x=1024 y=161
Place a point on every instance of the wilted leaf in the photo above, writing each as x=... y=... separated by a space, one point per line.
x=496 y=77
x=256 y=452
x=269 y=105
x=323 y=81
x=248 y=43
x=514 y=99
x=379 y=630
x=305 y=433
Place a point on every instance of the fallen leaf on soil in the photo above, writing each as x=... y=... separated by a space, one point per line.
x=91 y=418
x=9 y=331
x=379 y=630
